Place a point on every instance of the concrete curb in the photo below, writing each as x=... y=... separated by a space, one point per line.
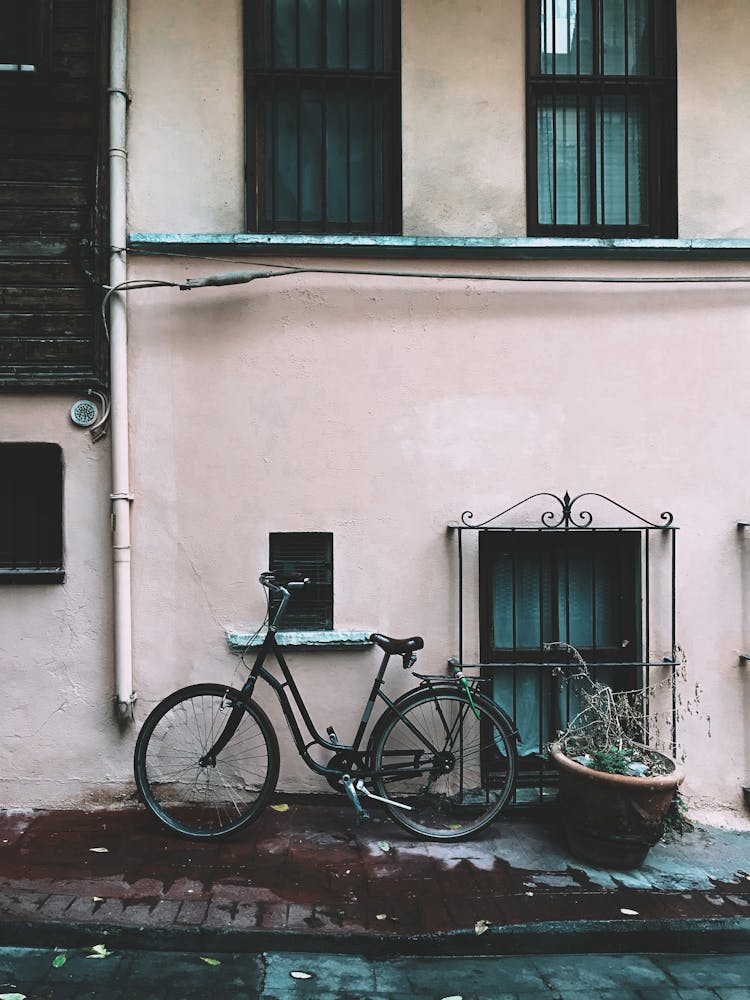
x=663 y=935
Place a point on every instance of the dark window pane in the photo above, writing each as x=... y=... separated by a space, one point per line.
x=621 y=161
x=325 y=136
x=19 y=33
x=595 y=101
x=566 y=36
x=31 y=540
x=308 y=554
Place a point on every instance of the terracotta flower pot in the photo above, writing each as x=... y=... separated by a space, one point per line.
x=612 y=820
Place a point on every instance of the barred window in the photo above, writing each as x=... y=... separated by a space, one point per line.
x=602 y=112
x=31 y=534
x=308 y=554
x=546 y=587
x=323 y=116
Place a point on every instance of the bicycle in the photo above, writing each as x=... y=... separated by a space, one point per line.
x=442 y=758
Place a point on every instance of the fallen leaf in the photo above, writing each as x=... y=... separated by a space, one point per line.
x=481 y=926
x=99 y=850
x=628 y=913
x=59 y=960
x=300 y=975
x=210 y=961
x=280 y=807
x=99 y=951
x=384 y=845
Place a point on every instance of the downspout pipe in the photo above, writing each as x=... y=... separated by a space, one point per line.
x=118 y=354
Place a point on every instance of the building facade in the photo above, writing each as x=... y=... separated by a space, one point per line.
x=497 y=250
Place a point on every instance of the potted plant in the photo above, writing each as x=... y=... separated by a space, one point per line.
x=615 y=792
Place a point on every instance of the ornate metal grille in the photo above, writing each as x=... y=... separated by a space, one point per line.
x=531 y=584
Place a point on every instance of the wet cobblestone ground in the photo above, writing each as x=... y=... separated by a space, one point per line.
x=308 y=874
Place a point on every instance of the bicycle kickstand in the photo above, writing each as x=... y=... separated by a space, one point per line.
x=351 y=791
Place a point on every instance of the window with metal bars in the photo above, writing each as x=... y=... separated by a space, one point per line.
x=31 y=533
x=308 y=554
x=323 y=116
x=23 y=30
x=601 y=118
x=540 y=587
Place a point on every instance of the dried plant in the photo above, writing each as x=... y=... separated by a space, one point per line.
x=610 y=732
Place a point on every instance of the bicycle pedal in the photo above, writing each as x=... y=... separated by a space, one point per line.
x=351 y=792
x=364 y=790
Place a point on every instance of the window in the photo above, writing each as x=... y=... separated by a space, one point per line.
x=539 y=587
x=559 y=587
x=310 y=554
x=602 y=108
x=323 y=116
x=22 y=35
x=31 y=537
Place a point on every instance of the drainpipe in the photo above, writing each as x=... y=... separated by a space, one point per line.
x=118 y=353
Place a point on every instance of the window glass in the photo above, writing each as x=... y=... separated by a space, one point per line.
x=323 y=102
x=31 y=539
x=307 y=554
x=602 y=113
x=20 y=39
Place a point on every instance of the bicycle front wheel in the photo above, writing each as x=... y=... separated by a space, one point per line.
x=206 y=761
x=454 y=767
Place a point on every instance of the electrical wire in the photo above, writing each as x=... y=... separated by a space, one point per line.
x=287 y=269
x=125 y=286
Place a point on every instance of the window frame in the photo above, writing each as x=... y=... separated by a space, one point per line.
x=262 y=80
x=658 y=89
x=42 y=495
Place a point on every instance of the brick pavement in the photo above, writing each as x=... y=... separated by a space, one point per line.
x=308 y=877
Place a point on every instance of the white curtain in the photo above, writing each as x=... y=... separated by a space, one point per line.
x=592 y=150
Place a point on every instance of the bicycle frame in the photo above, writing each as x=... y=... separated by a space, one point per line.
x=354 y=751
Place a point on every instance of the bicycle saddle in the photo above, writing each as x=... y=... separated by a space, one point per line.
x=397 y=646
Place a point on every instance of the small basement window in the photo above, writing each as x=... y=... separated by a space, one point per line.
x=23 y=33
x=31 y=533
x=309 y=554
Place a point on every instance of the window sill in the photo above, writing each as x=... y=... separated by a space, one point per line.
x=324 y=639
x=31 y=576
x=455 y=247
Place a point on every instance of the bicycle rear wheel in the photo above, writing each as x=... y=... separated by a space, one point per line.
x=455 y=769
x=191 y=786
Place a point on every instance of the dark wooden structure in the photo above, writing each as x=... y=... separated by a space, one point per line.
x=52 y=200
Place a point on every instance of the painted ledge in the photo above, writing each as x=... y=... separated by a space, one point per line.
x=455 y=247
x=324 y=639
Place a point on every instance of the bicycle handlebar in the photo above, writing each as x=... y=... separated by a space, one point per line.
x=272 y=581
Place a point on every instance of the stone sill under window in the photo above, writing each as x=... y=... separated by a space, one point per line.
x=469 y=247
x=31 y=575
x=323 y=639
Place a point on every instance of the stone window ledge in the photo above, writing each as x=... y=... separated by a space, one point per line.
x=324 y=639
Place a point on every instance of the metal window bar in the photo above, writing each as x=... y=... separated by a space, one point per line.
x=633 y=560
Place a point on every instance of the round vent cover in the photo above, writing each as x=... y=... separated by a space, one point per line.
x=84 y=413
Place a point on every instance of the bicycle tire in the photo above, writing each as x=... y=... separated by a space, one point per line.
x=199 y=799
x=462 y=788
